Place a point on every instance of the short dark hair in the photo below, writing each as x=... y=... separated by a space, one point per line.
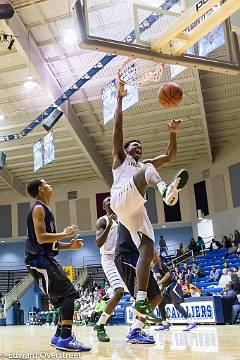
x=32 y=187
x=126 y=145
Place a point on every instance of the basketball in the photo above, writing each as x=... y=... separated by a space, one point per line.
x=170 y=95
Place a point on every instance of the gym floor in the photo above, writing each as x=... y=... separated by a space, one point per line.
x=207 y=342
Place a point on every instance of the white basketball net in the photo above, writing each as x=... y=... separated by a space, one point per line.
x=140 y=73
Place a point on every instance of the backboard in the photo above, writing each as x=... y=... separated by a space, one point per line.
x=176 y=32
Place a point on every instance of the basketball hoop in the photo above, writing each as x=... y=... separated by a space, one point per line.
x=140 y=73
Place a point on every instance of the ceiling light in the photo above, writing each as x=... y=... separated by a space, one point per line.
x=2 y=117
x=70 y=37
x=30 y=83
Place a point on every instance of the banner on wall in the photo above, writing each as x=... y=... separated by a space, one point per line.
x=69 y=272
x=49 y=150
x=199 y=311
x=37 y=156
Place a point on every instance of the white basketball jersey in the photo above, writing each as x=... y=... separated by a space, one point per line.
x=108 y=247
x=124 y=172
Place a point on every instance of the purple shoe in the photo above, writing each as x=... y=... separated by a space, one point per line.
x=137 y=336
x=162 y=327
x=54 y=340
x=190 y=327
x=71 y=344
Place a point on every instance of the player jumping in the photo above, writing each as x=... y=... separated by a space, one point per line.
x=132 y=177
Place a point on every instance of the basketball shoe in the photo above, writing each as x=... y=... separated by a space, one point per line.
x=170 y=195
x=143 y=308
x=54 y=340
x=190 y=326
x=71 y=344
x=101 y=333
x=138 y=336
x=163 y=327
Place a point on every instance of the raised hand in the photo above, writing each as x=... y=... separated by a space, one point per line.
x=175 y=126
x=121 y=90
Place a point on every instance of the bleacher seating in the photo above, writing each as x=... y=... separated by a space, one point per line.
x=8 y=279
x=217 y=258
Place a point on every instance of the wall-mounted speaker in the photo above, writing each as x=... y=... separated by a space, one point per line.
x=52 y=119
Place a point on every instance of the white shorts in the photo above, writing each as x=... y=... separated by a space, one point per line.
x=111 y=271
x=128 y=204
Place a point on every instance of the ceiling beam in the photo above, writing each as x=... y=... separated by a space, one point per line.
x=45 y=77
x=13 y=181
x=203 y=113
x=88 y=147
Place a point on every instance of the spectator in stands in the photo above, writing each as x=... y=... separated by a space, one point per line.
x=1 y=297
x=101 y=292
x=90 y=309
x=226 y=266
x=186 y=287
x=215 y=244
x=200 y=244
x=194 y=292
x=196 y=272
x=53 y=315
x=192 y=245
x=76 y=311
x=95 y=292
x=85 y=296
x=226 y=242
x=238 y=272
x=235 y=270
x=104 y=284
x=16 y=305
x=224 y=279
x=162 y=245
x=229 y=298
x=181 y=250
x=83 y=312
x=215 y=274
x=185 y=272
x=177 y=273
x=235 y=282
x=236 y=237
x=96 y=313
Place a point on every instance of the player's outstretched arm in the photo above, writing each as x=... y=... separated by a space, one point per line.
x=171 y=151
x=102 y=230
x=44 y=237
x=118 y=150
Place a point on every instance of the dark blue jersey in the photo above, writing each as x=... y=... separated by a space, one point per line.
x=32 y=245
x=161 y=271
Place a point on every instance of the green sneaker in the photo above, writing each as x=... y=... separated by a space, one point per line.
x=143 y=308
x=101 y=333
